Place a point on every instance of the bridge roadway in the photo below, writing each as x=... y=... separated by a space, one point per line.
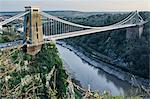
x=48 y=39
x=10 y=45
x=88 y=31
x=18 y=43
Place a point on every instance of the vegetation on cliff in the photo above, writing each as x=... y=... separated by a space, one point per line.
x=26 y=76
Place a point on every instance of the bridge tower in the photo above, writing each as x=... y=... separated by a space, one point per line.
x=32 y=30
x=135 y=32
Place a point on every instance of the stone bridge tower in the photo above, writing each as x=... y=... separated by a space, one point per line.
x=33 y=33
x=135 y=32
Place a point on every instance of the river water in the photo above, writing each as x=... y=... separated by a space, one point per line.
x=89 y=75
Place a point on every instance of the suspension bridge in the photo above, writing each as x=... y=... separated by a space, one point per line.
x=40 y=28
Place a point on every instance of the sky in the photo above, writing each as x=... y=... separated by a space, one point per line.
x=77 y=5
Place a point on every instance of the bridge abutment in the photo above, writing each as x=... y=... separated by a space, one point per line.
x=134 y=32
x=140 y=30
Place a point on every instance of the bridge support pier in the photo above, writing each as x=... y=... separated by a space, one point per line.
x=140 y=30
x=134 y=32
x=33 y=30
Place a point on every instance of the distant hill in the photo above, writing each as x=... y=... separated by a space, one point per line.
x=64 y=13
x=76 y=13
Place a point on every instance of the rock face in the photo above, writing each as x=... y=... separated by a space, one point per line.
x=27 y=76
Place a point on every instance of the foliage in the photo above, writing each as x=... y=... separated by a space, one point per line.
x=8 y=37
x=29 y=79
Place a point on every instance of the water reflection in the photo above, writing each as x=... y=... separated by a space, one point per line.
x=87 y=74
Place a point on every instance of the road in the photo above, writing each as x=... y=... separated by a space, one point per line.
x=11 y=44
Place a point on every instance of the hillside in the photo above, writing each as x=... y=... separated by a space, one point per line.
x=130 y=55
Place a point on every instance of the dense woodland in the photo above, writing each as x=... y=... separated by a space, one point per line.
x=132 y=54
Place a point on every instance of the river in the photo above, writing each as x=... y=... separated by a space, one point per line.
x=95 y=77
